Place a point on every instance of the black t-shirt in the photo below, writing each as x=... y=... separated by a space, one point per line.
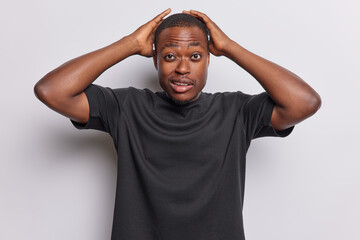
x=181 y=168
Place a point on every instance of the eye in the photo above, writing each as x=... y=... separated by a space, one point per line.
x=196 y=56
x=169 y=57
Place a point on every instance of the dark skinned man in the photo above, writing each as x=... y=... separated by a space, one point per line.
x=181 y=152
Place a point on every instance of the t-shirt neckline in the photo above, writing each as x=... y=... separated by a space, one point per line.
x=165 y=96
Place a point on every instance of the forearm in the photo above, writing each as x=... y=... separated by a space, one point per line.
x=71 y=78
x=295 y=100
x=63 y=88
x=288 y=90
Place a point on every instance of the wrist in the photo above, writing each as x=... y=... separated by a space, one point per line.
x=138 y=46
x=131 y=44
x=229 y=48
x=127 y=45
x=120 y=49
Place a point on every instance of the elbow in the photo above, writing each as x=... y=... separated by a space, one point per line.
x=41 y=91
x=312 y=104
x=315 y=103
x=45 y=93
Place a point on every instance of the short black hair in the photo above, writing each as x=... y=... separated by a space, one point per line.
x=182 y=20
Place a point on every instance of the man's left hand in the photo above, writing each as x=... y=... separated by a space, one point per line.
x=219 y=41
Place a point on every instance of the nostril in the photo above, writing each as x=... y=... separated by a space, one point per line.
x=183 y=67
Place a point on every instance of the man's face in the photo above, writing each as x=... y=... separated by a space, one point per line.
x=182 y=60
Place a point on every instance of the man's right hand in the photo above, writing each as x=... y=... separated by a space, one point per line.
x=63 y=88
x=143 y=37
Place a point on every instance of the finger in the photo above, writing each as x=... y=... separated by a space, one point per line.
x=159 y=17
x=154 y=23
x=200 y=15
x=156 y=26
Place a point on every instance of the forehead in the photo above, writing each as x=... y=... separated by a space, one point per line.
x=180 y=35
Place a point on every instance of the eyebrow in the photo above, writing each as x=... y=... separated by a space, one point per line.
x=192 y=44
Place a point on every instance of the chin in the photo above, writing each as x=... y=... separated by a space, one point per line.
x=180 y=98
x=182 y=101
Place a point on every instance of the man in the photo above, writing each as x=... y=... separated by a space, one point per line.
x=181 y=152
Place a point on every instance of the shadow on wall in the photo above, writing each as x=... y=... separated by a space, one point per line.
x=152 y=82
x=144 y=77
x=65 y=142
x=73 y=144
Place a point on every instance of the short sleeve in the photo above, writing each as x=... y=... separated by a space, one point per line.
x=104 y=108
x=257 y=112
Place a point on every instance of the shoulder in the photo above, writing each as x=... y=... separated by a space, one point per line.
x=140 y=94
x=237 y=97
x=123 y=93
x=243 y=102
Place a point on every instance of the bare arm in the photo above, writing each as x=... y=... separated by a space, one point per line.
x=295 y=99
x=63 y=88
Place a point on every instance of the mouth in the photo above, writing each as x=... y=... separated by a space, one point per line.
x=181 y=85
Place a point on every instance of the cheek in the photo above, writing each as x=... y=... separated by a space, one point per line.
x=164 y=71
x=201 y=70
x=164 y=68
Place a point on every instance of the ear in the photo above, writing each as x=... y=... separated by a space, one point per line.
x=208 y=58
x=154 y=55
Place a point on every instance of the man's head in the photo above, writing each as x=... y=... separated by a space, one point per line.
x=181 y=56
x=181 y=20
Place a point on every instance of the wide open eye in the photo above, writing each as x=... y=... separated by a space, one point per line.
x=196 y=56
x=169 y=57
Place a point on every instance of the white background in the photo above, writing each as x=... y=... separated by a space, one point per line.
x=58 y=183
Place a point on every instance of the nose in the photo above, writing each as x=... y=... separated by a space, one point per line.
x=183 y=67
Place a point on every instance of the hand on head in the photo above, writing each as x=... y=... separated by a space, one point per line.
x=219 y=40
x=144 y=36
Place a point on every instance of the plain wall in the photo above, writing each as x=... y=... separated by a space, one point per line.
x=58 y=183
